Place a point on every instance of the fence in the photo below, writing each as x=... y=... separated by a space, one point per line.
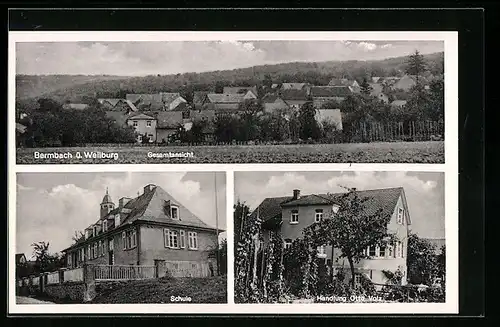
x=122 y=272
x=73 y=275
x=396 y=131
x=53 y=278
x=187 y=269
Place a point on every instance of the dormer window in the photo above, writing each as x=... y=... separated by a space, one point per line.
x=174 y=212
x=105 y=225
x=318 y=216
x=294 y=218
x=401 y=212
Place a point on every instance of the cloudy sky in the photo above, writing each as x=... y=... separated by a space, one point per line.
x=424 y=191
x=172 y=57
x=52 y=206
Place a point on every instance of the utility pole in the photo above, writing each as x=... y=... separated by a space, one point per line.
x=217 y=224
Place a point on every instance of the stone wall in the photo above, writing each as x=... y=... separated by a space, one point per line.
x=73 y=291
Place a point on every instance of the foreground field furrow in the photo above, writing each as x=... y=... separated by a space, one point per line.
x=410 y=152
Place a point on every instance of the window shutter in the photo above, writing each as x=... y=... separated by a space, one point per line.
x=124 y=240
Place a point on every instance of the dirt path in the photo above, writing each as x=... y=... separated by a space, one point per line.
x=30 y=300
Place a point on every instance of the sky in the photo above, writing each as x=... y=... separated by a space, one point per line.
x=172 y=57
x=424 y=191
x=52 y=206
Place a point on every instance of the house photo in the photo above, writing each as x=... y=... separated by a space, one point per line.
x=148 y=231
x=360 y=229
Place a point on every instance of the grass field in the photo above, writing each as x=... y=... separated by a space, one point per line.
x=200 y=290
x=404 y=152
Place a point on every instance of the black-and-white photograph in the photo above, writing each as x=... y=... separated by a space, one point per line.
x=339 y=237
x=230 y=101
x=134 y=237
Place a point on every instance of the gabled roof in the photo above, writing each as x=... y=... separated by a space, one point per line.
x=239 y=89
x=225 y=98
x=153 y=206
x=330 y=91
x=385 y=199
x=270 y=98
x=112 y=102
x=168 y=97
x=20 y=128
x=341 y=82
x=199 y=96
x=293 y=86
x=293 y=94
x=140 y=116
x=169 y=119
x=19 y=256
x=140 y=100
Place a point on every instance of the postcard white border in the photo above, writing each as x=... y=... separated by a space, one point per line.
x=450 y=167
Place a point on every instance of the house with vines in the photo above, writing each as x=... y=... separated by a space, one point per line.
x=285 y=218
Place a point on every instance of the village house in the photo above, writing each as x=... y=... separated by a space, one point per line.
x=250 y=93
x=398 y=103
x=121 y=105
x=405 y=83
x=168 y=123
x=289 y=215
x=273 y=103
x=223 y=102
x=343 y=82
x=294 y=86
x=294 y=98
x=198 y=99
x=151 y=229
x=144 y=124
x=323 y=94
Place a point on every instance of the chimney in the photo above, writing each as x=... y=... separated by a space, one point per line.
x=148 y=188
x=123 y=201
x=296 y=194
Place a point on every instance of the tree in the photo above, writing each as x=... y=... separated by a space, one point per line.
x=309 y=127
x=441 y=263
x=352 y=229
x=416 y=65
x=219 y=87
x=365 y=88
x=268 y=81
x=45 y=261
x=241 y=211
x=49 y=105
x=422 y=263
x=78 y=237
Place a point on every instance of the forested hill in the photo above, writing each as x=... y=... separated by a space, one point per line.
x=80 y=88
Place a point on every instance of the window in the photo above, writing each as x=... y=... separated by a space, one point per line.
x=288 y=244
x=95 y=230
x=94 y=254
x=148 y=123
x=371 y=251
x=134 y=123
x=171 y=238
x=100 y=251
x=183 y=239
x=130 y=239
x=321 y=251
x=174 y=212
x=193 y=240
x=318 y=216
x=89 y=256
x=105 y=225
x=110 y=245
x=390 y=250
x=382 y=251
x=400 y=216
x=185 y=114
x=398 y=249
x=294 y=219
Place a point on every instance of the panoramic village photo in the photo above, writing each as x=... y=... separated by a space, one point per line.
x=230 y=101
x=339 y=237
x=128 y=237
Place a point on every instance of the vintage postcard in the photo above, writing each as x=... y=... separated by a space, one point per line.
x=233 y=172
